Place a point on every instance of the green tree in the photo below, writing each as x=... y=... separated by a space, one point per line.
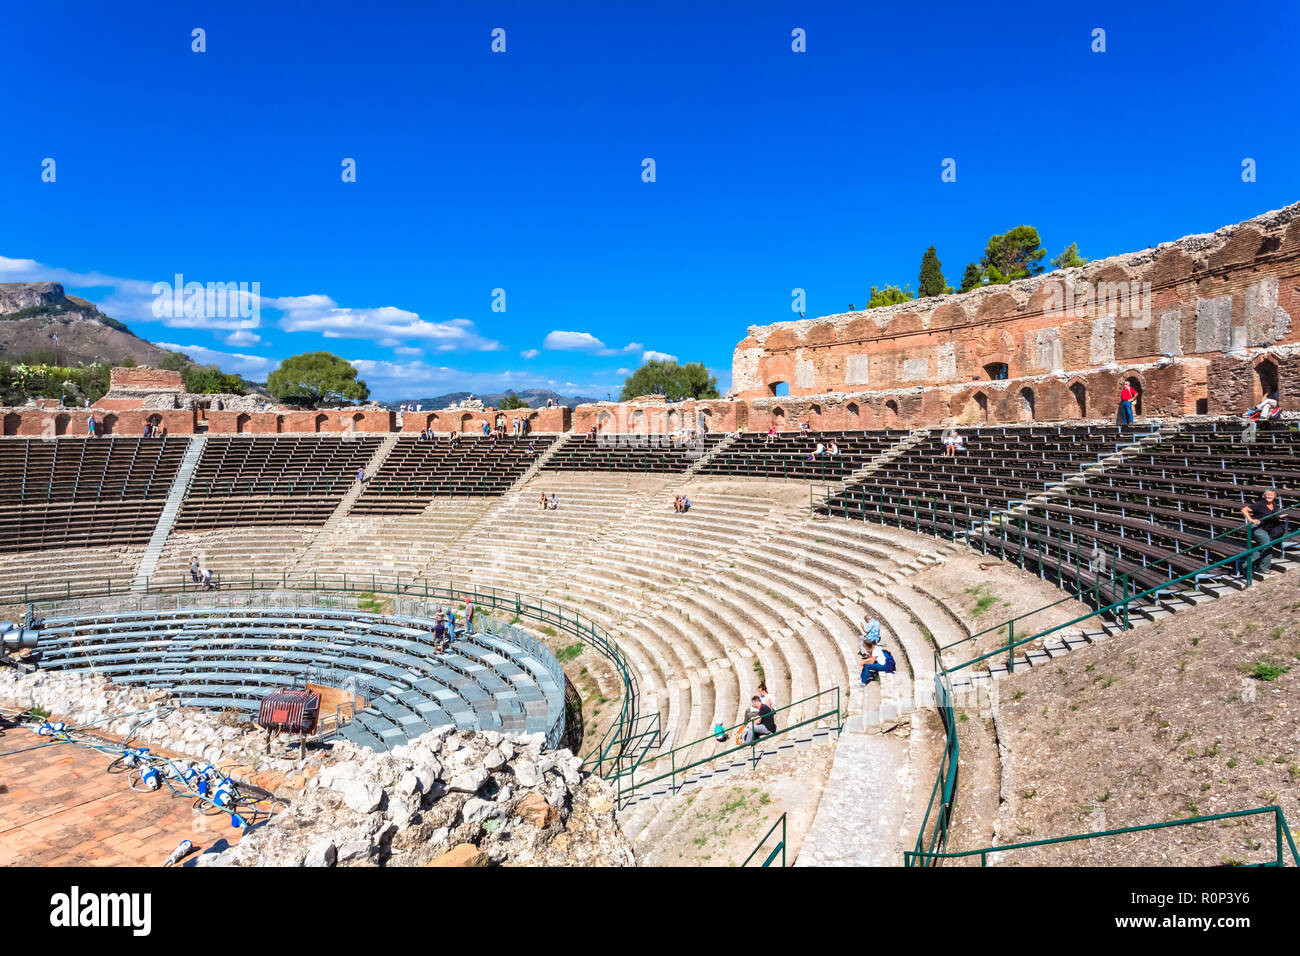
x=691 y=380
x=971 y=280
x=889 y=295
x=931 y=281
x=509 y=401
x=1017 y=254
x=210 y=380
x=318 y=378
x=1069 y=258
x=175 y=362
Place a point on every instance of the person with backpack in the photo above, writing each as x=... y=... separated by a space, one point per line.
x=870 y=635
x=878 y=660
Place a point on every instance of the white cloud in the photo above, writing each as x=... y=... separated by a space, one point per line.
x=242 y=337
x=622 y=371
x=319 y=313
x=253 y=366
x=584 y=342
x=652 y=356
x=407 y=350
x=530 y=353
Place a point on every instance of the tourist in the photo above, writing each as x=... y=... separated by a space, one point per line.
x=469 y=616
x=205 y=578
x=194 y=569
x=555 y=502
x=455 y=438
x=361 y=475
x=759 y=721
x=952 y=442
x=768 y=700
x=1262 y=513
x=677 y=504
x=148 y=430
x=771 y=433
x=1265 y=410
x=870 y=635
x=834 y=449
x=686 y=504
x=804 y=426
x=543 y=501
x=439 y=634
x=451 y=622
x=876 y=662
x=90 y=426
x=532 y=449
x=818 y=451
x=1127 y=396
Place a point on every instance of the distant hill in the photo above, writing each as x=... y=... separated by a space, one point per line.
x=535 y=397
x=32 y=314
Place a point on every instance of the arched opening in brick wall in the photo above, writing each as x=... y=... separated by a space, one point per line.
x=358 y=418
x=430 y=420
x=12 y=422
x=110 y=421
x=704 y=421
x=638 y=422
x=1266 y=381
x=241 y=423
x=602 y=420
x=321 y=419
x=979 y=413
x=1080 y=393
x=1026 y=404
x=466 y=422
x=1137 y=387
x=779 y=389
x=61 y=424
x=996 y=371
x=890 y=417
x=742 y=417
x=778 y=417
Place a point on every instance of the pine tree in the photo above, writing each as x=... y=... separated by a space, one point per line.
x=931 y=281
x=971 y=280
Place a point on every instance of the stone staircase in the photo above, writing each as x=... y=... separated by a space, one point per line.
x=1062 y=488
x=914 y=438
x=171 y=508
x=708 y=456
x=541 y=461
x=335 y=529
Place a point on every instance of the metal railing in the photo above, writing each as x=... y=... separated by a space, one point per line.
x=671 y=764
x=778 y=850
x=929 y=849
x=614 y=743
x=1282 y=840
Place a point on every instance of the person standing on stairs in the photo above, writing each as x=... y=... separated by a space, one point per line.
x=469 y=616
x=1127 y=396
x=1262 y=514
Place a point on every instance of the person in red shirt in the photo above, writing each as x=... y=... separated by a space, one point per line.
x=1127 y=395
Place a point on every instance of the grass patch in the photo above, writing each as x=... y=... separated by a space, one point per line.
x=1266 y=672
x=566 y=654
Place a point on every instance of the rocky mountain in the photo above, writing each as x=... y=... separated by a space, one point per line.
x=34 y=314
x=535 y=397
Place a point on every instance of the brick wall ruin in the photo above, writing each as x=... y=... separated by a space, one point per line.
x=1191 y=320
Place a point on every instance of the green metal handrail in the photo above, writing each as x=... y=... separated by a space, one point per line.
x=1282 y=833
x=1121 y=607
x=778 y=849
x=627 y=784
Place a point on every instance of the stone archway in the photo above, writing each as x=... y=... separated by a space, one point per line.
x=321 y=421
x=1026 y=405
x=1266 y=381
x=890 y=417
x=241 y=423
x=1080 y=393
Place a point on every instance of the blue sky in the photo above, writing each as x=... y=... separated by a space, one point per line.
x=522 y=170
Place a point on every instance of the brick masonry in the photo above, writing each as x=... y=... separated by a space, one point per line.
x=1192 y=320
